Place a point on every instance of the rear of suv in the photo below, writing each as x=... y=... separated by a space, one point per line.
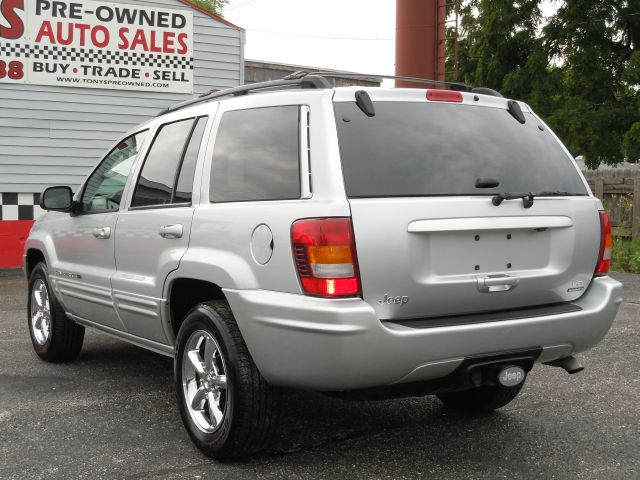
x=369 y=242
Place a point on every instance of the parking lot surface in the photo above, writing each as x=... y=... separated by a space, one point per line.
x=112 y=414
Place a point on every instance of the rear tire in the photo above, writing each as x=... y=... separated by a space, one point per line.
x=55 y=338
x=480 y=399
x=227 y=407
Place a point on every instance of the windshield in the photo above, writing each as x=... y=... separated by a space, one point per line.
x=422 y=149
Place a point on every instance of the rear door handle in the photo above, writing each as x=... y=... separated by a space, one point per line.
x=102 y=233
x=497 y=283
x=171 y=231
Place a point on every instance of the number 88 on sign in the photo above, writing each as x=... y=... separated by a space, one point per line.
x=12 y=27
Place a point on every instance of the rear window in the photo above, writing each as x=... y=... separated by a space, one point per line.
x=422 y=149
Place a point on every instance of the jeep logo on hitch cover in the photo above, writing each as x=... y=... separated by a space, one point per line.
x=511 y=376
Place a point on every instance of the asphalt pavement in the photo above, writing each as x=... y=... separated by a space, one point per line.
x=112 y=414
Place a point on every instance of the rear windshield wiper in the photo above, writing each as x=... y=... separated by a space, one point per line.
x=558 y=193
x=527 y=198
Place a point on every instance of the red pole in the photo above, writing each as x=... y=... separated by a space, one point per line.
x=420 y=40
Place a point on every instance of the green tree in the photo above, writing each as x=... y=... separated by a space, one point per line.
x=631 y=141
x=596 y=42
x=497 y=37
x=580 y=69
x=213 y=6
x=500 y=48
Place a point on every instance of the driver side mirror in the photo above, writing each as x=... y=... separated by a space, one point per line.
x=59 y=199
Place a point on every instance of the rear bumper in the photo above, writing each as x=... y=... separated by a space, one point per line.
x=319 y=344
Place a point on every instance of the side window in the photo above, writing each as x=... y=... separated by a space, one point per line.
x=257 y=155
x=103 y=191
x=184 y=187
x=168 y=171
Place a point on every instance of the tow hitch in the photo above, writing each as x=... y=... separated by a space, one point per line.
x=508 y=369
x=511 y=376
x=508 y=374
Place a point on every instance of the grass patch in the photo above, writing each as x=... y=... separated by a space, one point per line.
x=626 y=256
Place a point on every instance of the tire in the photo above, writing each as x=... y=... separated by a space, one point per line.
x=480 y=399
x=55 y=338
x=228 y=409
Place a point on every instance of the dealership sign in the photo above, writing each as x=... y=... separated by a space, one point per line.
x=93 y=44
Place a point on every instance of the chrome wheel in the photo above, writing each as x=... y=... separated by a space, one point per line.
x=40 y=312
x=204 y=381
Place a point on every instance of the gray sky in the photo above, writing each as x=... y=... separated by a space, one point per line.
x=338 y=22
x=355 y=35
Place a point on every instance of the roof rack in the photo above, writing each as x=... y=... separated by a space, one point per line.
x=307 y=81
x=461 y=87
x=457 y=86
x=487 y=91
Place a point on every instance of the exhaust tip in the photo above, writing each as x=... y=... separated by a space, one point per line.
x=570 y=364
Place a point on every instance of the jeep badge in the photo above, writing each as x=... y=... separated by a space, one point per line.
x=511 y=376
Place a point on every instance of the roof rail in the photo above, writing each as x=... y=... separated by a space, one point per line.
x=457 y=86
x=307 y=81
x=487 y=91
x=461 y=87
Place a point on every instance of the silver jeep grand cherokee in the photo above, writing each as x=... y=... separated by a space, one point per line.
x=363 y=241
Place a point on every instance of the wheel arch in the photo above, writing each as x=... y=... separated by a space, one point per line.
x=182 y=293
x=39 y=247
x=33 y=256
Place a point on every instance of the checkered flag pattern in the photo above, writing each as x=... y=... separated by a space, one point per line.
x=20 y=206
x=95 y=56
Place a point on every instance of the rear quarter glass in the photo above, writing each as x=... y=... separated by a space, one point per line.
x=423 y=149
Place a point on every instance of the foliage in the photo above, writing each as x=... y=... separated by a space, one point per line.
x=631 y=141
x=213 y=6
x=626 y=256
x=497 y=35
x=579 y=69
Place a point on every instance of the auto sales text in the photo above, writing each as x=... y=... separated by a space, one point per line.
x=130 y=36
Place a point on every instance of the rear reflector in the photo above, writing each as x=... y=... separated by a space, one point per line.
x=444 y=96
x=606 y=245
x=325 y=256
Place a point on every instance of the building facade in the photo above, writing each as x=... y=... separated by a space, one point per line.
x=259 y=71
x=75 y=76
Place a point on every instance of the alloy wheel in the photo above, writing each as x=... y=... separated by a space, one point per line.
x=40 y=312
x=204 y=381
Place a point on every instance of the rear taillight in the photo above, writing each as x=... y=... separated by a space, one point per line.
x=606 y=245
x=325 y=256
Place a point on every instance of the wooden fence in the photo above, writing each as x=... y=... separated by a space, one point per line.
x=619 y=191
